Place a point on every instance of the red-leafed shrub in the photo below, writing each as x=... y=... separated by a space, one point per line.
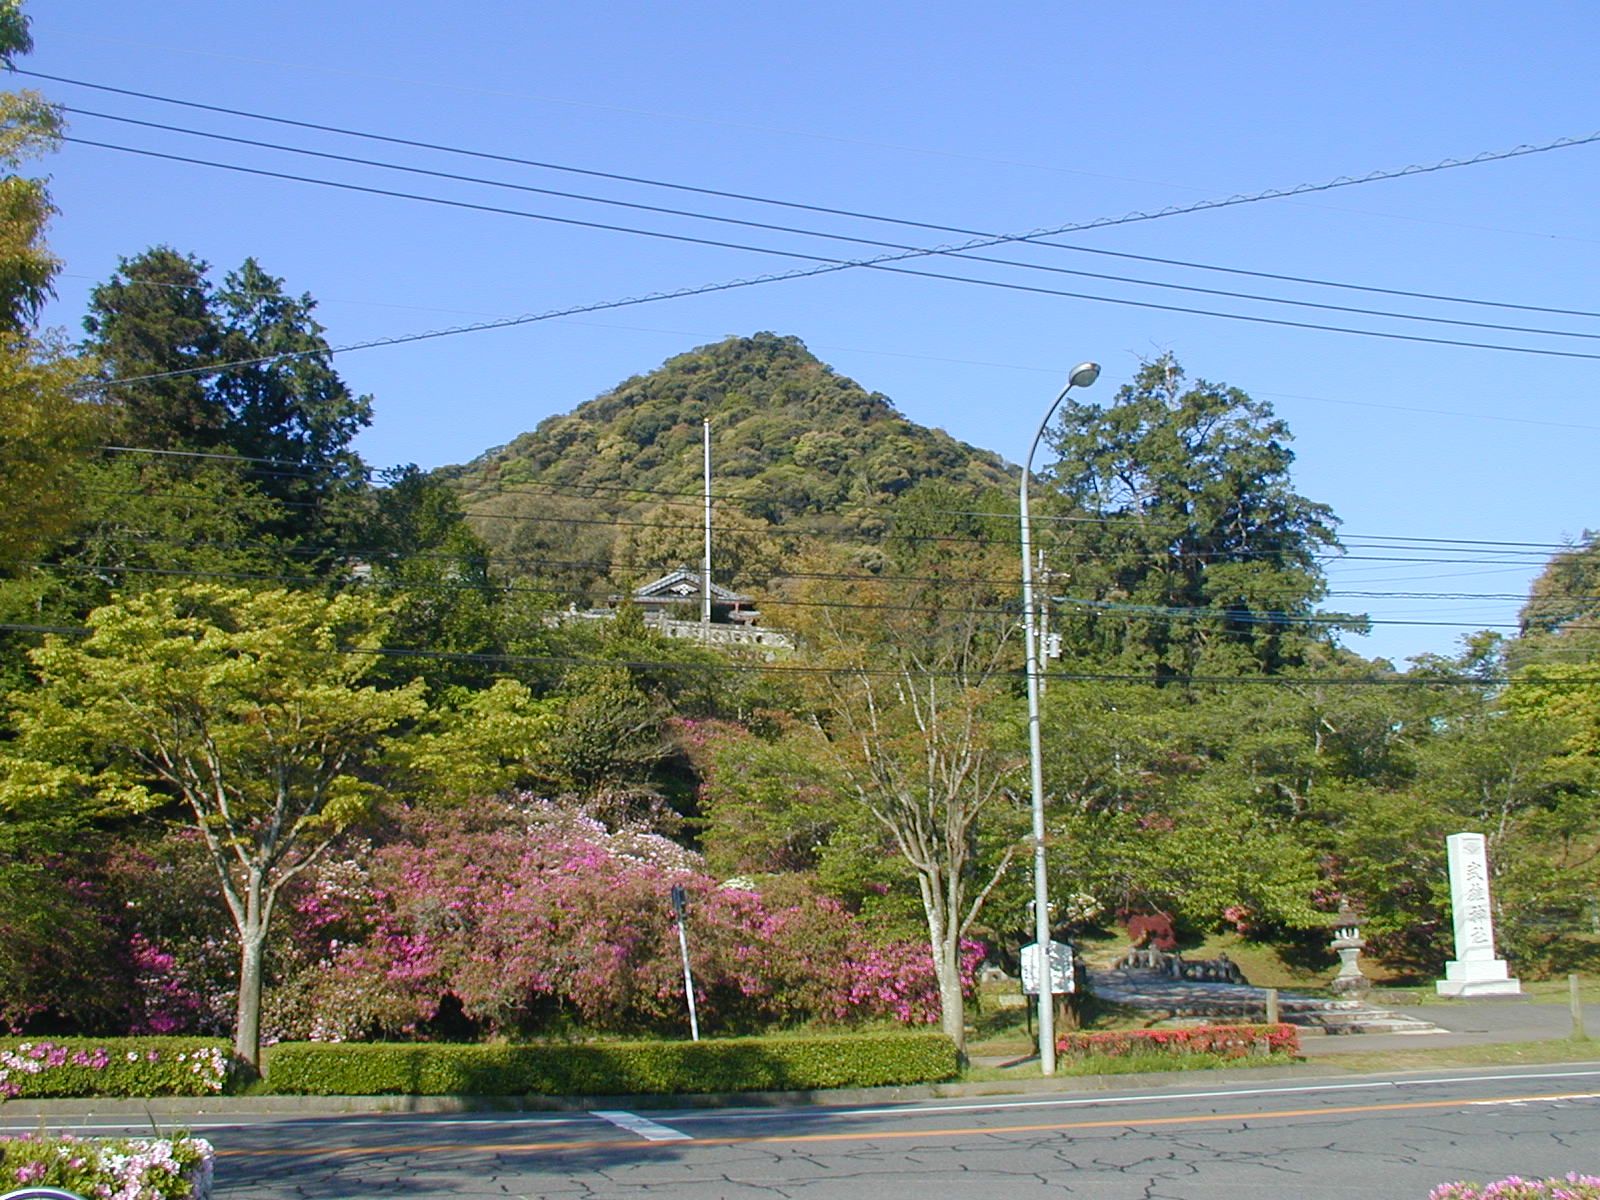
x=1223 y=1041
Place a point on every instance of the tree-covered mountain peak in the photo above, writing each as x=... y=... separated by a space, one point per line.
x=794 y=446
x=788 y=434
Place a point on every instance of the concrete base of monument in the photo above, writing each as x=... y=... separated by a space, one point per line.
x=1483 y=977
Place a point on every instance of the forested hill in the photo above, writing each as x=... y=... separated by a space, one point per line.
x=796 y=449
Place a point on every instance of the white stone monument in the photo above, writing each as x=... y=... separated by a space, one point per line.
x=1474 y=971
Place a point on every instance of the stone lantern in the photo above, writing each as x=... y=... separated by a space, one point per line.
x=1347 y=940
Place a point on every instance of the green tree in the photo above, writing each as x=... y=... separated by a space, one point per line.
x=1561 y=620
x=248 y=710
x=490 y=741
x=907 y=679
x=292 y=410
x=44 y=423
x=29 y=127
x=155 y=317
x=45 y=428
x=414 y=541
x=1148 y=814
x=1184 y=540
x=242 y=369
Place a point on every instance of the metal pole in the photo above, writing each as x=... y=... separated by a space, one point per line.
x=1041 y=887
x=705 y=569
x=1085 y=375
x=688 y=983
x=1575 y=1001
x=679 y=906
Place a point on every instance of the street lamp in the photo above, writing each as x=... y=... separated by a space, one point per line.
x=1082 y=376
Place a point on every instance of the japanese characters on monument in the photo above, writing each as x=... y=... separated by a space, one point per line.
x=1474 y=971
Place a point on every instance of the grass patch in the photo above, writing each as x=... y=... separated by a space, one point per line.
x=1494 y=1054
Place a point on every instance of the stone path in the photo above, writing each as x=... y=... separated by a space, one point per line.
x=1159 y=993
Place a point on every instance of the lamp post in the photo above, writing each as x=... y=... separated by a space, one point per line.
x=1082 y=376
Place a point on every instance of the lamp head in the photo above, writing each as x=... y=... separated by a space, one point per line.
x=1083 y=374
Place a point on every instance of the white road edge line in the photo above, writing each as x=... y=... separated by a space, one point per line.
x=1099 y=1098
x=644 y=1127
x=1535 y=1099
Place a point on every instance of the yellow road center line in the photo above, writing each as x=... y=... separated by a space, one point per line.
x=884 y=1135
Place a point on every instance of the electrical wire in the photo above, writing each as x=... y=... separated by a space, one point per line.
x=525 y=562
x=813 y=233
x=536 y=489
x=827 y=268
x=880 y=263
x=770 y=201
x=1476 y=682
x=1130 y=612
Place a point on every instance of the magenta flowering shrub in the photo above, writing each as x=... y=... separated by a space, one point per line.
x=533 y=916
x=1514 y=1187
x=176 y=938
x=177 y=1168
x=896 y=981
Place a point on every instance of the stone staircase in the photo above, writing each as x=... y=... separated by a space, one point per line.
x=1186 y=998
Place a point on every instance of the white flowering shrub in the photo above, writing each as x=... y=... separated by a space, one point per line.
x=1514 y=1187
x=175 y=1168
x=45 y=1067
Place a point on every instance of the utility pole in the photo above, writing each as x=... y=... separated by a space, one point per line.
x=1044 y=622
x=705 y=568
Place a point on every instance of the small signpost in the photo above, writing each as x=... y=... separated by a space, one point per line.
x=1062 y=980
x=679 y=903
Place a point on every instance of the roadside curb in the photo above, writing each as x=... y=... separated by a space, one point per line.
x=171 y=1108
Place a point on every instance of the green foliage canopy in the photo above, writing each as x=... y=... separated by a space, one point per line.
x=249 y=710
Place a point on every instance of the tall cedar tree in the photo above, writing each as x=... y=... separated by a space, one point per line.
x=1196 y=548
x=256 y=380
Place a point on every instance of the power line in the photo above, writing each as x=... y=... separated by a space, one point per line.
x=1226 y=554
x=770 y=201
x=539 y=488
x=1478 y=682
x=861 y=241
x=1330 y=621
x=381 y=554
x=881 y=261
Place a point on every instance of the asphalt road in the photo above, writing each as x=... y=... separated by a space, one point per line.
x=1301 y=1140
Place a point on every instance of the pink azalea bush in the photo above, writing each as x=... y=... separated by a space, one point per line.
x=520 y=917
x=177 y=1168
x=1514 y=1187
x=534 y=916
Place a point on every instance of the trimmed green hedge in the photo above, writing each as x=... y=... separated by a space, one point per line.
x=134 y=1066
x=734 y=1065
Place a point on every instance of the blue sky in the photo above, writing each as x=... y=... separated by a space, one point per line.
x=1007 y=117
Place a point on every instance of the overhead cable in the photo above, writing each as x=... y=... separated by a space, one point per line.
x=1041 y=239
x=1470 y=681
x=789 y=229
x=882 y=261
